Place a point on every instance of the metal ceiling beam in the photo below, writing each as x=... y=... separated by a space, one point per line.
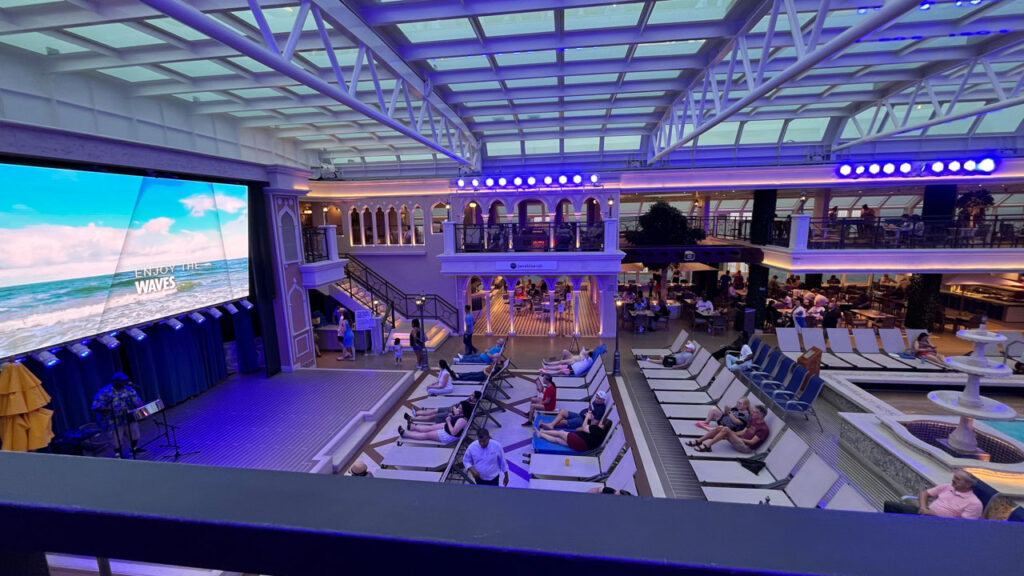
x=338 y=92
x=703 y=107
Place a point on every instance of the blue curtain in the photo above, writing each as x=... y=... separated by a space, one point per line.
x=74 y=381
x=245 y=341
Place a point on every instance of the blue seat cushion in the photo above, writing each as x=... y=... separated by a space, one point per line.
x=542 y=446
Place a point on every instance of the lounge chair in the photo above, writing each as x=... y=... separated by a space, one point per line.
x=580 y=467
x=893 y=343
x=846 y=498
x=724 y=450
x=800 y=401
x=417 y=457
x=867 y=345
x=420 y=475
x=584 y=394
x=620 y=478
x=789 y=342
x=700 y=383
x=687 y=373
x=779 y=464
x=815 y=338
x=596 y=368
x=806 y=489
x=674 y=347
x=734 y=390
x=842 y=348
x=700 y=397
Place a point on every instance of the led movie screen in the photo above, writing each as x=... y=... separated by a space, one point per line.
x=83 y=253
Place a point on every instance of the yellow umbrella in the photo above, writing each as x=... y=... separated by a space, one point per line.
x=24 y=423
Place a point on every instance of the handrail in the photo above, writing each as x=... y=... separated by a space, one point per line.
x=534 y=237
x=918 y=233
x=433 y=306
x=314 y=245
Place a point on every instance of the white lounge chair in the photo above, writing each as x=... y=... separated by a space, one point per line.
x=620 y=478
x=730 y=388
x=579 y=467
x=789 y=342
x=867 y=345
x=842 y=348
x=698 y=397
x=779 y=464
x=417 y=457
x=674 y=347
x=701 y=358
x=439 y=401
x=806 y=489
x=893 y=343
x=849 y=499
x=815 y=338
x=583 y=393
x=580 y=381
x=419 y=475
x=702 y=381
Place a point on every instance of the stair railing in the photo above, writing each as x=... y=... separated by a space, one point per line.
x=434 y=307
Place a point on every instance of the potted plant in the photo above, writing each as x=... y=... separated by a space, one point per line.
x=663 y=225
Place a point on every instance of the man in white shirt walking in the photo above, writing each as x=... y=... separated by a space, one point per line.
x=485 y=460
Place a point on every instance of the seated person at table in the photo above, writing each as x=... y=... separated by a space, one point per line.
x=830 y=319
x=816 y=311
x=922 y=347
x=662 y=311
x=906 y=226
x=680 y=359
x=784 y=303
x=566 y=359
x=704 y=306
x=586 y=437
x=545 y=400
x=773 y=285
x=443 y=433
x=861 y=302
x=834 y=280
x=735 y=417
x=640 y=303
x=483 y=357
x=435 y=415
x=482 y=375
x=578 y=368
x=954 y=500
x=886 y=280
x=445 y=379
x=745 y=441
x=799 y=316
x=573 y=420
x=900 y=291
x=792 y=281
x=742 y=361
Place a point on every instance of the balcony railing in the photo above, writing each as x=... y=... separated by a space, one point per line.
x=737 y=229
x=933 y=233
x=314 y=245
x=544 y=237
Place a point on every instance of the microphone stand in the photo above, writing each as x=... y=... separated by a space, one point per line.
x=171 y=435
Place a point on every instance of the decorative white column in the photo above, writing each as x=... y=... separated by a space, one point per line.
x=460 y=302
x=331 y=237
x=576 y=283
x=373 y=216
x=551 y=302
x=487 y=284
x=607 y=286
x=799 y=232
x=511 y=283
x=362 y=230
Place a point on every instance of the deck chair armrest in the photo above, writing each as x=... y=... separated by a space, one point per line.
x=801 y=406
x=598 y=477
x=770 y=384
x=786 y=395
x=758 y=373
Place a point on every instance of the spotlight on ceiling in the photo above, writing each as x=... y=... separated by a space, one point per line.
x=987 y=165
x=197 y=317
x=108 y=340
x=79 y=349
x=475 y=182
x=214 y=312
x=577 y=179
x=461 y=183
x=518 y=181
x=937 y=167
x=489 y=182
x=502 y=181
x=46 y=358
x=954 y=166
x=137 y=334
x=859 y=170
x=175 y=323
x=905 y=168
x=563 y=179
x=593 y=178
x=845 y=170
x=970 y=165
x=888 y=168
x=531 y=180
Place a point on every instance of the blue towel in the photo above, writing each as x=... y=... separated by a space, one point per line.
x=542 y=446
x=600 y=350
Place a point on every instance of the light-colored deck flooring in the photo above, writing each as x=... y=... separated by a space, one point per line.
x=529 y=323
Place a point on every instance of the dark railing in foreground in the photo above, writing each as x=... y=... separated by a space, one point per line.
x=994 y=232
x=393 y=298
x=291 y=524
x=314 y=245
x=543 y=237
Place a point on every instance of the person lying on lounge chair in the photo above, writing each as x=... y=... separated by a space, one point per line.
x=587 y=437
x=567 y=359
x=481 y=375
x=435 y=415
x=924 y=349
x=483 y=357
x=681 y=359
x=745 y=441
x=573 y=420
x=578 y=368
x=463 y=408
x=446 y=433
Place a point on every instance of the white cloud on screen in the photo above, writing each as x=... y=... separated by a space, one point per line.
x=200 y=204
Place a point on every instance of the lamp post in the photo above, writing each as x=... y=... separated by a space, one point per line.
x=618 y=316
x=421 y=300
x=611 y=203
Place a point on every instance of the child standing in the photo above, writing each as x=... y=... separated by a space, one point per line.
x=397 y=347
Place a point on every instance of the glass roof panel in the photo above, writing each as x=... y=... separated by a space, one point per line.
x=250 y=113
x=683 y=48
x=596 y=53
x=468 y=86
x=542 y=146
x=877 y=46
x=833 y=71
x=581 y=144
x=636 y=110
x=313 y=138
x=782 y=23
x=849 y=88
x=957 y=127
x=622 y=143
x=388 y=158
x=586 y=98
x=177 y=28
x=437 y=30
x=530 y=82
x=801 y=90
x=590 y=78
x=629 y=95
x=539 y=115
x=1005 y=120
x=607 y=16
x=416 y=157
x=249 y=64
x=806 y=130
x=507 y=148
x=40 y=43
x=115 y=35
x=134 y=74
x=199 y=68
x=651 y=75
x=485 y=103
x=202 y=97
x=722 y=134
x=761 y=132
x=301 y=90
x=346 y=57
x=522 y=58
x=20 y=3
x=582 y=113
x=519 y=101
x=280 y=20
x=675 y=11
x=549 y=131
x=518 y=23
x=460 y=63
x=303 y=110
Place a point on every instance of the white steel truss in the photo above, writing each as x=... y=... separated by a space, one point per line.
x=425 y=123
x=707 y=101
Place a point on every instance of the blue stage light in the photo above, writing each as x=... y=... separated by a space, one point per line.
x=937 y=167
x=874 y=169
x=197 y=317
x=563 y=179
x=987 y=165
x=137 y=334
x=108 y=340
x=517 y=181
x=460 y=183
x=46 y=358
x=577 y=179
x=475 y=182
x=79 y=349
x=845 y=170
x=925 y=6
x=175 y=323
x=489 y=182
x=231 y=308
x=906 y=167
x=593 y=178
x=970 y=165
x=531 y=180
x=548 y=180
x=889 y=168
x=954 y=166
x=246 y=304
